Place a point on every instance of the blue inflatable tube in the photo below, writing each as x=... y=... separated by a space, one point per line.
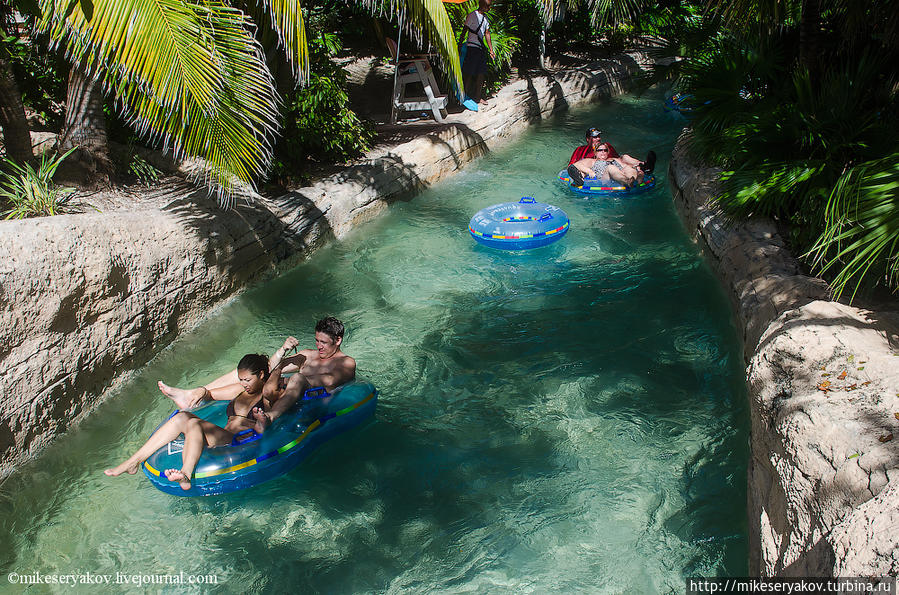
x=519 y=225
x=681 y=102
x=254 y=458
x=684 y=103
x=597 y=187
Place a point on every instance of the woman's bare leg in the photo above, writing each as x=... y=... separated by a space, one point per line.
x=634 y=173
x=619 y=176
x=629 y=160
x=168 y=432
x=197 y=434
x=225 y=380
x=191 y=397
x=294 y=390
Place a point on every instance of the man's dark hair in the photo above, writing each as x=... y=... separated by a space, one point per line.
x=254 y=363
x=330 y=326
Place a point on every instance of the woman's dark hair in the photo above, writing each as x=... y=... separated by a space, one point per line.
x=331 y=326
x=254 y=363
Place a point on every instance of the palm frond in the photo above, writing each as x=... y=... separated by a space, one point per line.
x=612 y=12
x=188 y=74
x=287 y=20
x=770 y=188
x=862 y=226
x=428 y=23
x=747 y=14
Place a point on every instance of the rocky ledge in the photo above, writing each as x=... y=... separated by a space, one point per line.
x=85 y=298
x=824 y=398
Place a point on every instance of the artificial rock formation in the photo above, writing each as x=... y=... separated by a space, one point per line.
x=85 y=298
x=824 y=399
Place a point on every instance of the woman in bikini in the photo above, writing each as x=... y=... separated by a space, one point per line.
x=254 y=393
x=604 y=167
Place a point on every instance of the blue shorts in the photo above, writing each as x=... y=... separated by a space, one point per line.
x=475 y=61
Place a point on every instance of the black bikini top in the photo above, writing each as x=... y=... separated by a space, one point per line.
x=232 y=413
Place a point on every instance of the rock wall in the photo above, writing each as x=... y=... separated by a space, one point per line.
x=85 y=298
x=823 y=380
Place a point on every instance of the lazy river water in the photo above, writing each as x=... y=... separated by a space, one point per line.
x=568 y=419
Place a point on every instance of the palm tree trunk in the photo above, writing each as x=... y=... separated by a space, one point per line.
x=85 y=128
x=810 y=36
x=13 y=123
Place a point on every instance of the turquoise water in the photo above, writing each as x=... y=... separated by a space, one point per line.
x=567 y=419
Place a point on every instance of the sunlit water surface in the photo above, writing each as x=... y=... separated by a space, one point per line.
x=568 y=419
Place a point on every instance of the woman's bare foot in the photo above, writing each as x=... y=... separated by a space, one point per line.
x=183 y=398
x=128 y=467
x=179 y=476
x=262 y=420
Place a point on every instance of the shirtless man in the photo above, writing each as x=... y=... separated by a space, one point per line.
x=326 y=366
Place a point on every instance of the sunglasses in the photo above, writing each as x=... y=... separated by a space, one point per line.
x=602 y=150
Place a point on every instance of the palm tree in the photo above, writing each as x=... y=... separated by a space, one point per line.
x=13 y=125
x=190 y=75
x=602 y=12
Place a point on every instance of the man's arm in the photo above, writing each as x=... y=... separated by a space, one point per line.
x=579 y=153
x=343 y=372
x=275 y=359
x=291 y=367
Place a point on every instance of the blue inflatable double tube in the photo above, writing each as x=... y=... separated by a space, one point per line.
x=519 y=225
x=254 y=458
x=598 y=187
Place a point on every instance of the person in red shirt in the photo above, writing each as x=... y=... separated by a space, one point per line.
x=588 y=151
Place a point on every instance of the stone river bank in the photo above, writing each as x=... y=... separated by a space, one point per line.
x=86 y=298
x=823 y=383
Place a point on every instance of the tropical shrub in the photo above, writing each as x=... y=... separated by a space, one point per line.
x=131 y=167
x=40 y=78
x=318 y=124
x=31 y=192
x=814 y=149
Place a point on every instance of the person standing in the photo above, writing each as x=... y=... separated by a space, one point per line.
x=474 y=69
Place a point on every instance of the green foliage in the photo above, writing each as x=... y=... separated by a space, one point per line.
x=130 y=166
x=861 y=234
x=191 y=74
x=679 y=30
x=31 y=192
x=40 y=79
x=318 y=122
x=815 y=150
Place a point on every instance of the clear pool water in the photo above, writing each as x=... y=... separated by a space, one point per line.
x=568 y=419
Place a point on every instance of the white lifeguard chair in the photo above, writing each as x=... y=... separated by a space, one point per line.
x=414 y=70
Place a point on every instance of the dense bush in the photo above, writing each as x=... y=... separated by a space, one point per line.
x=809 y=142
x=41 y=79
x=318 y=123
